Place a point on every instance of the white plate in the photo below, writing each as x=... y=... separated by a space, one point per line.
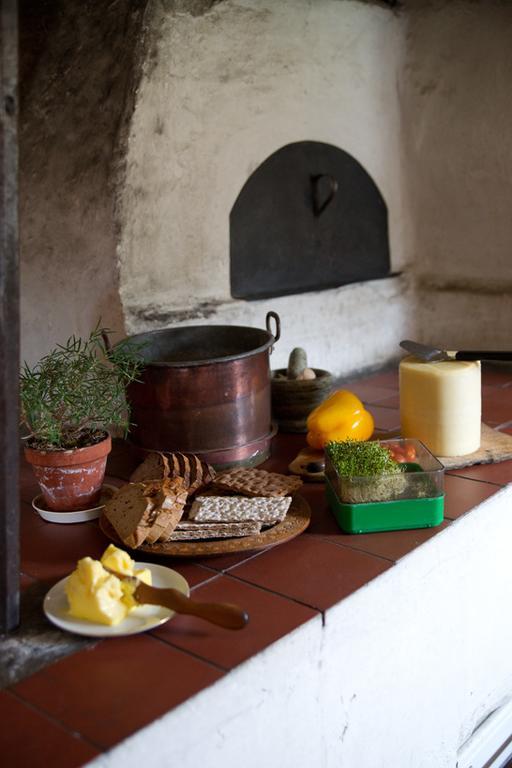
x=138 y=620
x=79 y=516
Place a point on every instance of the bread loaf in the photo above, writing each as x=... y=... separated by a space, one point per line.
x=154 y=467
x=173 y=514
x=169 y=497
x=145 y=512
x=157 y=465
x=129 y=511
x=195 y=472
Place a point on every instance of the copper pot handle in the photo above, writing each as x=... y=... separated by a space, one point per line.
x=273 y=316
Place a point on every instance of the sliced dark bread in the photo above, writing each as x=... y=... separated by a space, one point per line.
x=175 y=513
x=154 y=467
x=129 y=513
x=195 y=472
x=169 y=497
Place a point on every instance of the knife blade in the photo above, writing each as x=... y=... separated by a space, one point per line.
x=223 y=614
x=434 y=354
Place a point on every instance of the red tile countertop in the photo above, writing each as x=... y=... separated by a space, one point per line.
x=85 y=703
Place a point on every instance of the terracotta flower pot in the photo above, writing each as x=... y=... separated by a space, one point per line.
x=70 y=480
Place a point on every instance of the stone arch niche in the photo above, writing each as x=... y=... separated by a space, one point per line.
x=309 y=218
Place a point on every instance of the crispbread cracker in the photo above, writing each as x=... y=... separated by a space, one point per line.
x=225 y=509
x=187 y=530
x=257 y=482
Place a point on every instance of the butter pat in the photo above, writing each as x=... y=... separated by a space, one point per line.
x=441 y=405
x=118 y=560
x=96 y=595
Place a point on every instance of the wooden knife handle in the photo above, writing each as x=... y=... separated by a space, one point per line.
x=223 y=614
x=480 y=355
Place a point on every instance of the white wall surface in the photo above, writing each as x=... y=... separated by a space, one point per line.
x=455 y=95
x=419 y=96
x=403 y=673
x=222 y=92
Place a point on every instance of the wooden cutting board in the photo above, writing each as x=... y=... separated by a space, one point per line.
x=494 y=447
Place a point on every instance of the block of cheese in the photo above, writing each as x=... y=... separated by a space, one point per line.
x=441 y=404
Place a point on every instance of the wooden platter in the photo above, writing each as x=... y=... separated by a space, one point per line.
x=295 y=522
x=495 y=446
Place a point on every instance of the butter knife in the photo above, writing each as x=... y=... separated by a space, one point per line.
x=223 y=614
x=433 y=354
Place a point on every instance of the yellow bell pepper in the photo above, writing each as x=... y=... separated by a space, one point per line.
x=340 y=417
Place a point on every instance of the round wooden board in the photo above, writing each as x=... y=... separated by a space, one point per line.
x=296 y=521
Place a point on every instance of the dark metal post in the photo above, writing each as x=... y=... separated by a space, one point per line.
x=9 y=318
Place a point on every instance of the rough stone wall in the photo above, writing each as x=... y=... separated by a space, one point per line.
x=78 y=74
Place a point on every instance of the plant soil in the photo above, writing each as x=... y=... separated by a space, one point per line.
x=90 y=437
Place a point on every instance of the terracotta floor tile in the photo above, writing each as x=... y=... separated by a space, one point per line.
x=393 y=401
x=387 y=379
x=285 y=447
x=312 y=571
x=54 y=551
x=222 y=563
x=28 y=738
x=191 y=570
x=385 y=418
x=500 y=473
x=463 y=494
x=270 y=618
x=497 y=407
x=117 y=687
x=367 y=391
x=391 y=545
x=496 y=375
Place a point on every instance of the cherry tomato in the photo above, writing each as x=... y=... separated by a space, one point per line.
x=410 y=452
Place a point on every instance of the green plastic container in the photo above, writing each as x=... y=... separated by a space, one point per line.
x=416 y=500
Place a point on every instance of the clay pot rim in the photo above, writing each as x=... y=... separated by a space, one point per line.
x=69 y=456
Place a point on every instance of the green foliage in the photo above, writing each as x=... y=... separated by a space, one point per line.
x=353 y=458
x=366 y=471
x=77 y=391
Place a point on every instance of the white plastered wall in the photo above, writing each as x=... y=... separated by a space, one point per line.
x=224 y=91
x=419 y=96
x=455 y=96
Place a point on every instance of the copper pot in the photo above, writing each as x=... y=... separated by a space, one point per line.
x=205 y=390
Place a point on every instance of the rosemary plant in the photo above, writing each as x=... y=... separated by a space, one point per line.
x=72 y=396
